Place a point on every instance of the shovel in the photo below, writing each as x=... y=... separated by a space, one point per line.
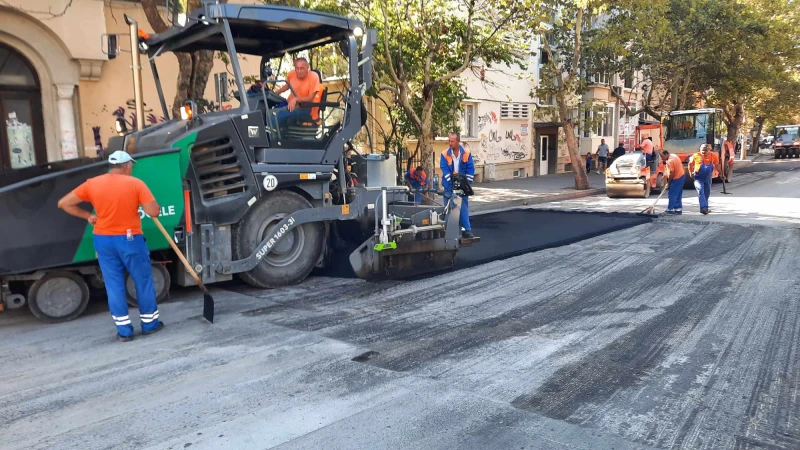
x=651 y=211
x=208 y=301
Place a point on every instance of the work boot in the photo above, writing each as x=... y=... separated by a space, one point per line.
x=154 y=330
x=124 y=338
x=467 y=235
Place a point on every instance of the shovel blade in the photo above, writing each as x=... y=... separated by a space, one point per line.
x=208 y=307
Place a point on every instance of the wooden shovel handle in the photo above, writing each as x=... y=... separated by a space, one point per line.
x=179 y=253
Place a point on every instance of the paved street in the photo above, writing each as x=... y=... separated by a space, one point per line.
x=677 y=333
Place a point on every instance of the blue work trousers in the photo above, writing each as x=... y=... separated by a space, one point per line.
x=702 y=184
x=463 y=218
x=675 y=194
x=116 y=255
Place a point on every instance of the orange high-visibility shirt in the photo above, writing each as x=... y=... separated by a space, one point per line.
x=116 y=199
x=698 y=159
x=675 y=167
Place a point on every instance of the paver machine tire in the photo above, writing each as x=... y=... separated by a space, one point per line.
x=161 y=281
x=58 y=296
x=295 y=255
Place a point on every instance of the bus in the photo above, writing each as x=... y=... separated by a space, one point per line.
x=685 y=131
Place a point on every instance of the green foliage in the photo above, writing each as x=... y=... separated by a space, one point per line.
x=423 y=48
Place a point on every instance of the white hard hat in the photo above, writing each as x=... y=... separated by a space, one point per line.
x=120 y=157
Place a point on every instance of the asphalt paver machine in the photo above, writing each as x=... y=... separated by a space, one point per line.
x=244 y=191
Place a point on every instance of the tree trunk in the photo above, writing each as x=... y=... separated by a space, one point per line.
x=194 y=68
x=428 y=161
x=578 y=169
x=733 y=127
x=759 y=128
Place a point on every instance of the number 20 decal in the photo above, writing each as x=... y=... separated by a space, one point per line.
x=270 y=182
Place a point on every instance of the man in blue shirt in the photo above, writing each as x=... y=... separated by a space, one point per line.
x=456 y=159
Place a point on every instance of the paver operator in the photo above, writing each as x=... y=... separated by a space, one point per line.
x=676 y=176
x=118 y=239
x=305 y=87
x=701 y=168
x=456 y=159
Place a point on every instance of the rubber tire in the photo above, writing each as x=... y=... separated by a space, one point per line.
x=659 y=183
x=33 y=294
x=159 y=295
x=246 y=238
x=646 y=192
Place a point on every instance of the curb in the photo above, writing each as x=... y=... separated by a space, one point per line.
x=491 y=207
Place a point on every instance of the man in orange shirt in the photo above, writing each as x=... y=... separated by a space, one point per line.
x=118 y=239
x=701 y=168
x=676 y=176
x=305 y=86
x=647 y=151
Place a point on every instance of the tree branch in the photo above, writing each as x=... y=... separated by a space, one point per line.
x=154 y=18
x=468 y=52
x=49 y=12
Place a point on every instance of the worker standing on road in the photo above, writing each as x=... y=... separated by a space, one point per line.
x=701 y=168
x=728 y=151
x=118 y=239
x=417 y=179
x=676 y=176
x=456 y=159
x=602 y=156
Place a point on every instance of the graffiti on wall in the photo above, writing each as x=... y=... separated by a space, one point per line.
x=129 y=114
x=500 y=146
x=487 y=119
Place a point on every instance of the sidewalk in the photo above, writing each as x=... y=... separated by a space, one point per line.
x=531 y=191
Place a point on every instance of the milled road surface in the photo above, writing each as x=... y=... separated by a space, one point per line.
x=670 y=334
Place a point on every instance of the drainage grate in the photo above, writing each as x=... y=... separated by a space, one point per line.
x=218 y=170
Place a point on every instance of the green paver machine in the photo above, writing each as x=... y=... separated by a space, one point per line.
x=243 y=191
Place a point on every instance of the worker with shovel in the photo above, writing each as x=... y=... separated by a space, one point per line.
x=118 y=239
x=675 y=177
x=701 y=168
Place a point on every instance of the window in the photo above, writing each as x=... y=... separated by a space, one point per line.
x=628 y=80
x=608 y=123
x=688 y=126
x=545 y=57
x=514 y=110
x=469 y=116
x=599 y=78
x=587 y=118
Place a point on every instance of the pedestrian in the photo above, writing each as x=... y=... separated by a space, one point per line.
x=456 y=159
x=588 y=163
x=676 y=177
x=619 y=151
x=417 y=179
x=118 y=239
x=701 y=168
x=602 y=156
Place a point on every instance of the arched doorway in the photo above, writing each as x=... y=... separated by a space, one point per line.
x=22 y=141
